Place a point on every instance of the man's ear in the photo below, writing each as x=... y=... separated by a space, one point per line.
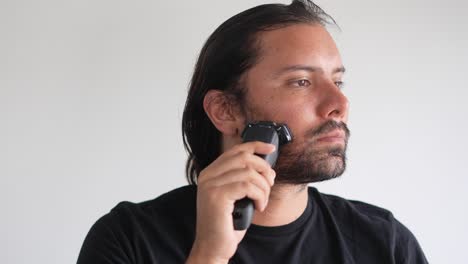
x=223 y=113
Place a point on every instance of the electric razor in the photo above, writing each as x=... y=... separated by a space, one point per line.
x=268 y=132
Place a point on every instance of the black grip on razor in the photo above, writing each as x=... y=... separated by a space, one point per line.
x=266 y=132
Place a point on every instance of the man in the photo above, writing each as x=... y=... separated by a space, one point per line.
x=276 y=63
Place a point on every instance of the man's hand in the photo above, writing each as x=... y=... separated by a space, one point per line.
x=235 y=174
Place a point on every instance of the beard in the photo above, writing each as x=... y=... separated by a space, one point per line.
x=302 y=162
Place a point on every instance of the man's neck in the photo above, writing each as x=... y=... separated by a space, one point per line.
x=286 y=204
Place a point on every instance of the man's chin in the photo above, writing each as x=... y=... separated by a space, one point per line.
x=309 y=171
x=331 y=169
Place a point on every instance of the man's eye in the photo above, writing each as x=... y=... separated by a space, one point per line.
x=302 y=83
x=339 y=84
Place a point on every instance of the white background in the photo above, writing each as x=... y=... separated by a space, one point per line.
x=92 y=93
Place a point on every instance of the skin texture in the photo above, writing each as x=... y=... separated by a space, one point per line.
x=303 y=99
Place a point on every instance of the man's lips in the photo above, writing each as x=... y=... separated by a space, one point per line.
x=334 y=136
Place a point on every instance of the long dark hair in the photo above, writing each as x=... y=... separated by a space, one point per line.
x=230 y=51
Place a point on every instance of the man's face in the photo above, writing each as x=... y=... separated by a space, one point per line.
x=297 y=81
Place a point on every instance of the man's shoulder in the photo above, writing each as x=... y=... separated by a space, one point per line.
x=143 y=230
x=352 y=209
x=179 y=199
x=366 y=225
x=170 y=214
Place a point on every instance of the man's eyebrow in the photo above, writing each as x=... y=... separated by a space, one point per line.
x=299 y=67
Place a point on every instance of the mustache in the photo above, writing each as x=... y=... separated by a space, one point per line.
x=328 y=127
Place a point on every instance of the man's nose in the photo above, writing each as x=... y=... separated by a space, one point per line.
x=334 y=104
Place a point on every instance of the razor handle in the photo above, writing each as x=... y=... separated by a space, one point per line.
x=267 y=132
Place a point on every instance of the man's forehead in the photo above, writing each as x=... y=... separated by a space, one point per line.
x=294 y=35
x=306 y=46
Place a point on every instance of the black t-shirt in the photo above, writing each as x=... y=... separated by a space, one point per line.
x=331 y=230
